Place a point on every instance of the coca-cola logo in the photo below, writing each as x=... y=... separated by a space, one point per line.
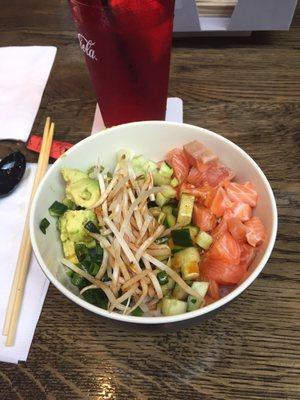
x=86 y=46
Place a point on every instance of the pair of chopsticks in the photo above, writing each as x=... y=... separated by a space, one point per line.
x=18 y=285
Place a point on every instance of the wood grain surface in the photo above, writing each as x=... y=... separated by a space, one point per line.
x=247 y=89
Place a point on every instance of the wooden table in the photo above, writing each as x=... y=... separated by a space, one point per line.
x=248 y=90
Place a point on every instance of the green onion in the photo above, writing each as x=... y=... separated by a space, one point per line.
x=44 y=225
x=137 y=312
x=69 y=272
x=57 y=209
x=79 y=281
x=96 y=254
x=96 y=297
x=162 y=278
x=81 y=251
x=91 y=227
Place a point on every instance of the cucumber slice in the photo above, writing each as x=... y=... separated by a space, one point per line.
x=160 y=180
x=161 y=200
x=193 y=231
x=200 y=287
x=161 y=218
x=204 y=240
x=173 y=307
x=182 y=237
x=185 y=212
x=187 y=261
x=174 y=182
x=166 y=170
x=169 y=192
x=193 y=303
x=167 y=209
x=167 y=287
x=170 y=220
x=179 y=293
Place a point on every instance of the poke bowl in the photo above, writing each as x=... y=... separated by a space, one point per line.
x=153 y=223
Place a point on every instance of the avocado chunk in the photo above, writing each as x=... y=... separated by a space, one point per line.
x=80 y=189
x=73 y=175
x=71 y=226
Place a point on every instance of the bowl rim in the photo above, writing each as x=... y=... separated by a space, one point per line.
x=163 y=319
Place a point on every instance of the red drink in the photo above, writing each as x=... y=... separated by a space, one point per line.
x=127 y=46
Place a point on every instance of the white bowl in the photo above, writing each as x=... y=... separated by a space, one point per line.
x=153 y=140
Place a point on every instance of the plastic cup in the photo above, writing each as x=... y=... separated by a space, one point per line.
x=127 y=46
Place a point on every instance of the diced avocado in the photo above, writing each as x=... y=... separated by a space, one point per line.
x=168 y=286
x=161 y=200
x=73 y=175
x=166 y=170
x=169 y=192
x=204 y=240
x=185 y=211
x=174 y=182
x=160 y=180
x=179 y=293
x=167 y=209
x=170 y=220
x=187 y=261
x=69 y=251
x=84 y=193
x=173 y=307
x=71 y=226
x=80 y=189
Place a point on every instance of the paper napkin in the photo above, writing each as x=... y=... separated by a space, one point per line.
x=13 y=209
x=174 y=114
x=24 y=72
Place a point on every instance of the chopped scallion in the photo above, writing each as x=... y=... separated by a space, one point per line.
x=91 y=227
x=44 y=225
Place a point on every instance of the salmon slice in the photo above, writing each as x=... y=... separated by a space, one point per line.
x=220 y=202
x=237 y=229
x=226 y=249
x=204 y=218
x=179 y=162
x=217 y=174
x=220 y=229
x=256 y=232
x=247 y=255
x=197 y=176
x=241 y=210
x=221 y=272
x=196 y=151
x=200 y=193
x=240 y=192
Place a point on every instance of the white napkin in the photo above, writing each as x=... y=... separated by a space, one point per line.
x=174 y=114
x=13 y=210
x=24 y=72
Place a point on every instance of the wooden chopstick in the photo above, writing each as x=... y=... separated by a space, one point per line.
x=17 y=290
